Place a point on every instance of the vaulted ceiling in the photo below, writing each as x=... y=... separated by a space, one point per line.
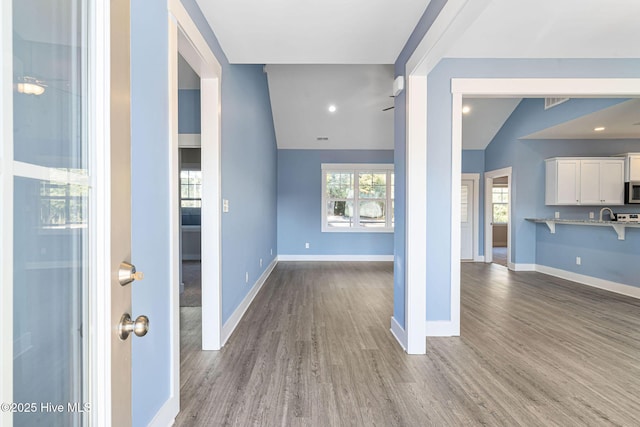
x=375 y=31
x=302 y=94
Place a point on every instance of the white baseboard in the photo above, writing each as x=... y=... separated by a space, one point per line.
x=166 y=416
x=608 y=285
x=521 y=267
x=335 y=257
x=231 y=324
x=479 y=258
x=442 y=328
x=399 y=333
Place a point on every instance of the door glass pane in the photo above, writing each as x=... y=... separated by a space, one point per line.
x=50 y=234
x=50 y=277
x=49 y=73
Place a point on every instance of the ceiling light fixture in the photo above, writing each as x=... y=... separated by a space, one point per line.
x=599 y=129
x=466 y=109
x=332 y=108
x=30 y=86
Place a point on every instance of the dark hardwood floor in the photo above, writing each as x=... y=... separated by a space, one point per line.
x=500 y=255
x=315 y=349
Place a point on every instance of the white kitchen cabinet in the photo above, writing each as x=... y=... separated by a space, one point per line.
x=632 y=170
x=562 y=182
x=584 y=181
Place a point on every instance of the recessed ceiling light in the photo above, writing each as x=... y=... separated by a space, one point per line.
x=466 y=109
x=332 y=108
x=599 y=129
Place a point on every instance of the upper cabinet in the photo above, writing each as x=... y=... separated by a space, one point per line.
x=586 y=181
x=632 y=167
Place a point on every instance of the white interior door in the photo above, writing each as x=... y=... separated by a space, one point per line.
x=56 y=80
x=466 y=220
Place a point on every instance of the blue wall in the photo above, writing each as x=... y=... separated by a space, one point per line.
x=299 y=205
x=249 y=160
x=249 y=182
x=399 y=123
x=603 y=255
x=439 y=147
x=189 y=111
x=473 y=162
x=524 y=156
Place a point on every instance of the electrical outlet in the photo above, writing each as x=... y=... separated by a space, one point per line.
x=271 y=251
x=306 y=245
x=260 y=262
x=592 y=215
x=557 y=214
x=225 y=205
x=578 y=260
x=246 y=277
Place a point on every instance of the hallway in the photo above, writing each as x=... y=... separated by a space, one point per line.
x=315 y=349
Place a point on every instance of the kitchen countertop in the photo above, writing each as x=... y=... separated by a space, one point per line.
x=618 y=227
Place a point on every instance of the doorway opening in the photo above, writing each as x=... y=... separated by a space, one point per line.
x=497 y=234
x=500 y=220
x=186 y=41
x=190 y=228
x=190 y=188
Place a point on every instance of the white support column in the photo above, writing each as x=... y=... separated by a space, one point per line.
x=416 y=209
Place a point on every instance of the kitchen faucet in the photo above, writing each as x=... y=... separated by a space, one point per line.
x=612 y=216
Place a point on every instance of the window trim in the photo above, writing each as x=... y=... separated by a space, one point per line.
x=356 y=169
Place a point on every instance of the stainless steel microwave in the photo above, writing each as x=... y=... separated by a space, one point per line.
x=632 y=192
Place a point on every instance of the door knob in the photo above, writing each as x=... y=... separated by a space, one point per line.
x=140 y=326
x=127 y=273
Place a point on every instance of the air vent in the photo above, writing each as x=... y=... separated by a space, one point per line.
x=322 y=138
x=552 y=102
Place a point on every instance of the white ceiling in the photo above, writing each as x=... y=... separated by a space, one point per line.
x=553 y=29
x=312 y=32
x=301 y=95
x=621 y=121
x=485 y=119
x=374 y=32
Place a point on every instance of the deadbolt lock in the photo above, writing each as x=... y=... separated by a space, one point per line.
x=127 y=274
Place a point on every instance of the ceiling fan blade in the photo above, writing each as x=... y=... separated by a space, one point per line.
x=388 y=108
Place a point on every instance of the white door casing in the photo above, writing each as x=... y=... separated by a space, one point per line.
x=185 y=38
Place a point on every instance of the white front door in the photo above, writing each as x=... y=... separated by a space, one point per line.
x=62 y=225
x=466 y=220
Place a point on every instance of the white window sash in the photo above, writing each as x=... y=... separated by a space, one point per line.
x=356 y=169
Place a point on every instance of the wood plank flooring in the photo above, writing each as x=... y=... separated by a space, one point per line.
x=315 y=349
